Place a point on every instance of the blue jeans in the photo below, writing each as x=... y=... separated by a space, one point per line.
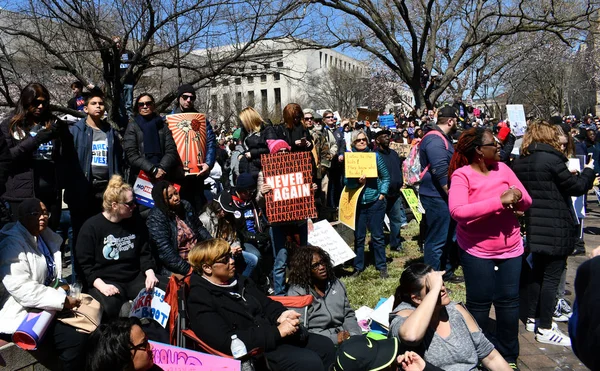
x=490 y=281
x=370 y=215
x=249 y=260
x=280 y=253
x=439 y=237
x=395 y=211
x=126 y=108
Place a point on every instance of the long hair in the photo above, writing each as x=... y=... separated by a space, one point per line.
x=114 y=192
x=108 y=347
x=465 y=150
x=290 y=112
x=251 y=119
x=540 y=131
x=136 y=108
x=411 y=283
x=26 y=106
x=300 y=270
x=159 y=195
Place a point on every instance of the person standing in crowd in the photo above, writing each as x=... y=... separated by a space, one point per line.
x=335 y=141
x=485 y=198
x=330 y=314
x=254 y=136
x=435 y=152
x=113 y=252
x=371 y=209
x=507 y=141
x=77 y=102
x=461 y=109
x=417 y=136
x=550 y=221
x=39 y=143
x=174 y=228
x=394 y=208
x=30 y=263
x=593 y=147
x=149 y=144
x=127 y=79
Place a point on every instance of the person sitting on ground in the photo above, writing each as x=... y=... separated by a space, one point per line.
x=173 y=228
x=120 y=345
x=220 y=306
x=113 y=252
x=30 y=263
x=330 y=314
x=422 y=310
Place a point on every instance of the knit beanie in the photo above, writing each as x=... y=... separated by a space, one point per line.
x=503 y=133
x=27 y=207
x=276 y=145
x=245 y=181
x=186 y=88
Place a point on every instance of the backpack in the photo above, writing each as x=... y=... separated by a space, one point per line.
x=411 y=167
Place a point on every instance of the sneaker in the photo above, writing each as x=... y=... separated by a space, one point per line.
x=530 y=324
x=514 y=366
x=383 y=274
x=562 y=311
x=552 y=336
x=565 y=308
x=404 y=226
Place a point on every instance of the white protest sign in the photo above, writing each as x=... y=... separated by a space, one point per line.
x=324 y=236
x=142 y=190
x=151 y=304
x=516 y=118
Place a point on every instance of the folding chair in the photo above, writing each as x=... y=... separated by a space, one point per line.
x=297 y=302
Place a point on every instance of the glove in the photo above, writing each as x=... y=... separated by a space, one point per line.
x=44 y=136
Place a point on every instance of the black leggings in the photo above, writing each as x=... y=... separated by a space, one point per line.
x=545 y=277
x=316 y=355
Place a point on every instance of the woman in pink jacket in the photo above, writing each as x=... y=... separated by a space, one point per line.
x=485 y=199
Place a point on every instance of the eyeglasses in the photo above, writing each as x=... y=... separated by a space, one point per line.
x=225 y=260
x=145 y=104
x=308 y=119
x=141 y=346
x=495 y=144
x=188 y=97
x=328 y=117
x=130 y=204
x=318 y=264
x=37 y=214
x=360 y=140
x=37 y=102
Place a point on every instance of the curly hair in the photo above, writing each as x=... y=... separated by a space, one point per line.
x=540 y=131
x=300 y=270
x=464 y=153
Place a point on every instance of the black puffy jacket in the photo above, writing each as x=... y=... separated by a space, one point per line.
x=551 y=220
x=256 y=145
x=162 y=229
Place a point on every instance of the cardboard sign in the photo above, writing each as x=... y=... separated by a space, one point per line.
x=403 y=150
x=142 y=190
x=324 y=236
x=290 y=176
x=172 y=358
x=358 y=164
x=516 y=119
x=413 y=203
x=348 y=204
x=189 y=133
x=387 y=121
x=364 y=114
x=151 y=304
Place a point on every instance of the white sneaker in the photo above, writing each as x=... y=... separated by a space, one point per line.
x=565 y=308
x=553 y=336
x=530 y=324
x=562 y=311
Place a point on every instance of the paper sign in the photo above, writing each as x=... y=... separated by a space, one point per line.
x=516 y=119
x=348 y=204
x=381 y=314
x=387 y=121
x=189 y=133
x=142 y=190
x=290 y=176
x=403 y=150
x=326 y=237
x=413 y=203
x=31 y=331
x=364 y=114
x=358 y=164
x=151 y=304
x=172 y=358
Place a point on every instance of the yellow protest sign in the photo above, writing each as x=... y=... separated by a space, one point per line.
x=358 y=164
x=348 y=204
x=413 y=202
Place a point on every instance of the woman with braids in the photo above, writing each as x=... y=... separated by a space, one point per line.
x=484 y=198
x=330 y=314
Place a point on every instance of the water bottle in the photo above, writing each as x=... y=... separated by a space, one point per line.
x=238 y=350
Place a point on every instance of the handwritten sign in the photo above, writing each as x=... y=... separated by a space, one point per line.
x=358 y=164
x=348 y=203
x=290 y=176
x=516 y=119
x=324 y=236
x=387 y=121
x=151 y=304
x=413 y=203
x=172 y=358
x=403 y=150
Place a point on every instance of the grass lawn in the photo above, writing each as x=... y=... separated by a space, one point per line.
x=368 y=288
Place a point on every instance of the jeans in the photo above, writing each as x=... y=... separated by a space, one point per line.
x=439 y=239
x=66 y=232
x=370 y=215
x=126 y=108
x=251 y=257
x=280 y=253
x=490 y=281
x=395 y=211
x=545 y=278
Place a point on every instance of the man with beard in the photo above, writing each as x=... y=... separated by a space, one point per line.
x=435 y=152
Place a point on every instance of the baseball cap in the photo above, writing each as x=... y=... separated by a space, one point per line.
x=382 y=132
x=360 y=353
x=447 y=111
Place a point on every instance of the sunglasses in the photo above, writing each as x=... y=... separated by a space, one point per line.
x=141 y=346
x=130 y=204
x=308 y=119
x=360 y=140
x=37 y=102
x=225 y=260
x=145 y=104
x=189 y=97
x=328 y=117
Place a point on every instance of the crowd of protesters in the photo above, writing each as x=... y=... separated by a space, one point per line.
x=489 y=204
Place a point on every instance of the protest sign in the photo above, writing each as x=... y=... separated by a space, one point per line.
x=387 y=121
x=358 y=164
x=324 y=236
x=348 y=203
x=189 y=133
x=290 y=176
x=516 y=119
x=364 y=114
x=413 y=203
x=142 y=190
x=151 y=304
x=336 y=114
x=403 y=150
x=31 y=331
x=172 y=358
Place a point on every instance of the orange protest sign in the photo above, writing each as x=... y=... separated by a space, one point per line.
x=189 y=133
x=358 y=164
x=348 y=204
x=290 y=177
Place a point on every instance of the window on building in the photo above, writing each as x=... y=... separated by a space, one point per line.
x=238 y=100
x=320 y=59
x=264 y=102
x=276 y=76
x=213 y=84
x=238 y=81
x=251 y=101
x=254 y=67
x=225 y=82
x=250 y=79
x=279 y=64
x=325 y=59
x=263 y=78
x=213 y=102
x=266 y=66
x=277 y=99
x=226 y=104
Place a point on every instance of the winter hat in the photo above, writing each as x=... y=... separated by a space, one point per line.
x=244 y=182
x=276 y=145
x=186 y=88
x=503 y=133
x=28 y=207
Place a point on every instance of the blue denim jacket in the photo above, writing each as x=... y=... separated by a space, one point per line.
x=373 y=186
